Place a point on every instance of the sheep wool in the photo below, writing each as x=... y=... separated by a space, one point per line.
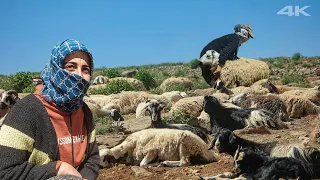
x=169 y=145
x=244 y=72
x=126 y=102
x=185 y=82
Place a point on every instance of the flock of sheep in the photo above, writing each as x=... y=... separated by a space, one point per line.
x=242 y=102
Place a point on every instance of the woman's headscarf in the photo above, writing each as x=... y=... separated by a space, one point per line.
x=65 y=89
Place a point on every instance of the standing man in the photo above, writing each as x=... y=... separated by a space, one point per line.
x=214 y=55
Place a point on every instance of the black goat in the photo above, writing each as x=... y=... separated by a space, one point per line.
x=226 y=141
x=255 y=165
x=233 y=118
x=155 y=109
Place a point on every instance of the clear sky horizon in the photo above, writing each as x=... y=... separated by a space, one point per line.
x=140 y=32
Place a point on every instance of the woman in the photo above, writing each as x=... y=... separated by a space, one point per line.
x=51 y=131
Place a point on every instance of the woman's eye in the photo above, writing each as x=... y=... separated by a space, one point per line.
x=86 y=70
x=69 y=67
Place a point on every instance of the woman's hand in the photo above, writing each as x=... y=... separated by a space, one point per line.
x=67 y=169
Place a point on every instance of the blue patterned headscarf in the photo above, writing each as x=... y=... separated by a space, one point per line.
x=65 y=89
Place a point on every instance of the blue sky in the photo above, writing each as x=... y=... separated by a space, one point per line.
x=139 y=32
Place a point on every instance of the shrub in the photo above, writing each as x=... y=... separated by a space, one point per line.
x=300 y=80
x=296 y=56
x=111 y=73
x=306 y=65
x=194 y=64
x=178 y=117
x=183 y=72
x=115 y=87
x=18 y=82
x=146 y=78
x=30 y=89
x=175 y=87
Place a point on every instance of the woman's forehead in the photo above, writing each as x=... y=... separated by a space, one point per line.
x=78 y=54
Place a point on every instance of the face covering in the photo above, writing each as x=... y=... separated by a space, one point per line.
x=63 y=88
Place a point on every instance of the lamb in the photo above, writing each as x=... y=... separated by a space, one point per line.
x=269 y=102
x=172 y=146
x=7 y=100
x=254 y=165
x=233 y=118
x=155 y=108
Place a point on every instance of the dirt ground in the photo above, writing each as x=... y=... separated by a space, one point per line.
x=298 y=132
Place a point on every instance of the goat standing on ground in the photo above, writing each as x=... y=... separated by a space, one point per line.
x=155 y=109
x=233 y=118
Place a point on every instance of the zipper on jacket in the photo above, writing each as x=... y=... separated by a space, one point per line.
x=71 y=140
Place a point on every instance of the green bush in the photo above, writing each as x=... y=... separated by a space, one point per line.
x=299 y=80
x=178 y=117
x=111 y=73
x=30 y=89
x=194 y=64
x=183 y=72
x=176 y=87
x=18 y=82
x=296 y=56
x=146 y=78
x=116 y=87
x=306 y=65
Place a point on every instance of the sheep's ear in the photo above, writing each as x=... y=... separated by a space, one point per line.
x=13 y=94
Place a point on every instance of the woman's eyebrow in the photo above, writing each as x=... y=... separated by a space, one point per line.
x=73 y=63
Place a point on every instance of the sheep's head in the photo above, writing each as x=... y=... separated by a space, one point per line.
x=155 y=107
x=210 y=58
x=218 y=84
x=224 y=141
x=98 y=80
x=8 y=99
x=246 y=160
x=211 y=104
x=238 y=99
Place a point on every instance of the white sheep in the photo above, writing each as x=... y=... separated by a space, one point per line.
x=101 y=82
x=172 y=146
x=126 y=102
x=244 y=72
